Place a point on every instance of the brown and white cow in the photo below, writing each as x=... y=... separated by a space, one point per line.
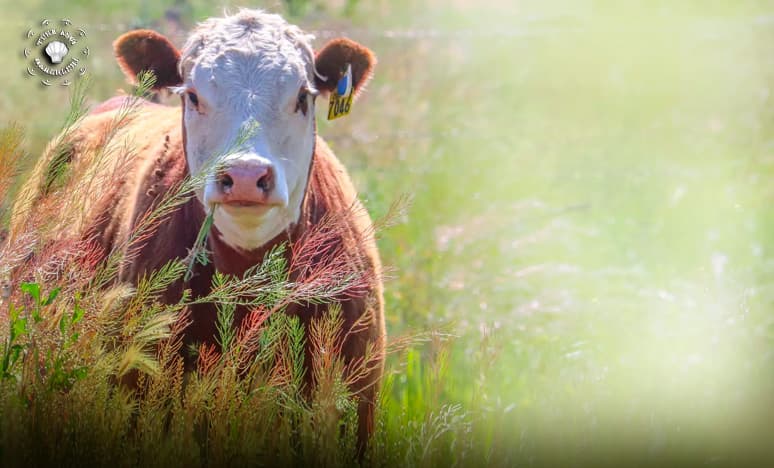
x=250 y=66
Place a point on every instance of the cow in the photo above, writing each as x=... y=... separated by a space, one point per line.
x=282 y=182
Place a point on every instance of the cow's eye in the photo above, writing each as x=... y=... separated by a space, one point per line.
x=303 y=100
x=193 y=98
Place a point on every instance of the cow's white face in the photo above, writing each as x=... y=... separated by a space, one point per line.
x=249 y=70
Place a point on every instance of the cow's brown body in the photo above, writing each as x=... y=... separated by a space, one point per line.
x=154 y=164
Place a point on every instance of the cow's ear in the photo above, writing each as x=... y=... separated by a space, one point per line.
x=142 y=50
x=331 y=63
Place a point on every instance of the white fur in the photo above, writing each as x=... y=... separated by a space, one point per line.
x=243 y=67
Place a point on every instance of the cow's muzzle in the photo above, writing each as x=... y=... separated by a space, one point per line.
x=246 y=185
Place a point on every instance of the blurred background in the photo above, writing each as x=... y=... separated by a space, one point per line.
x=591 y=226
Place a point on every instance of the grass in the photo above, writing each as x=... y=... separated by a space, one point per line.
x=590 y=228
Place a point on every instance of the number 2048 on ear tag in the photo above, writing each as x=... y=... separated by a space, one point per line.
x=341 y=98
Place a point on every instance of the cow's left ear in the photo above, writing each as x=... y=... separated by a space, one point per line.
x=331 y=63
x=142 y=50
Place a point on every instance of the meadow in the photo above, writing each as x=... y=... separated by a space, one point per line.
x=583 y=275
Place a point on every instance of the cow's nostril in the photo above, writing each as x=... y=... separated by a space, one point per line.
x=266 y=182
x=226 y=182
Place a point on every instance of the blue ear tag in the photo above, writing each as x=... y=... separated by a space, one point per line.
x=341 y=99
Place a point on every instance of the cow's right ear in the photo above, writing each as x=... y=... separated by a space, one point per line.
x=142 y=50
x=332 y=60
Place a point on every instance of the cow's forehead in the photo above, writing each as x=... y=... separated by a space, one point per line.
x=248 y=42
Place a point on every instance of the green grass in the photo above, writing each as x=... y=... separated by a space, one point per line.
x=591 y=221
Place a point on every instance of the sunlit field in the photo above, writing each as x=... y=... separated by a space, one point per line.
x=583 y=274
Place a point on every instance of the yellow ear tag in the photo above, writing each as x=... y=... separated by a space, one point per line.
x=341 y=97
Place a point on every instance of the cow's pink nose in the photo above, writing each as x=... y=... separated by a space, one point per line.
x=246 y=184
